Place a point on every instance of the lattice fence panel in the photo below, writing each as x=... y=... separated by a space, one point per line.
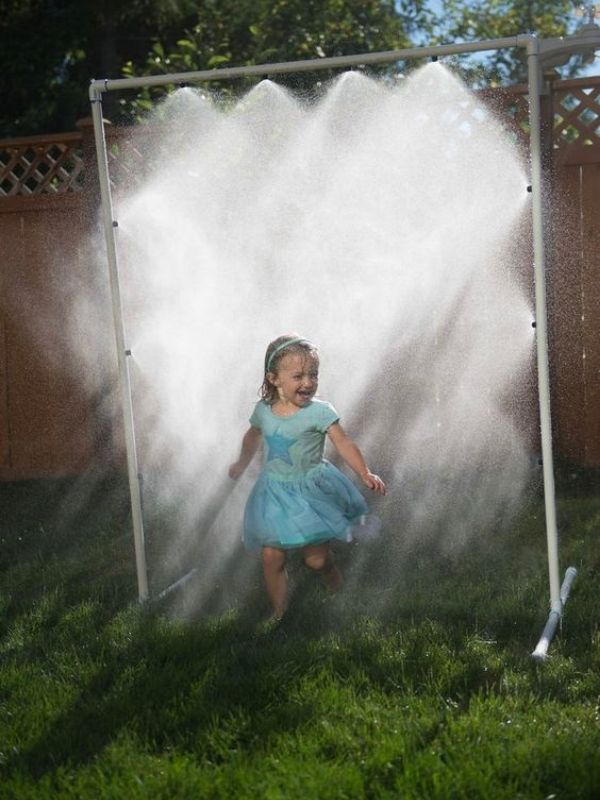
x=474 y=111
x=134 y=153
x=41 y=167
x=577 y=117
x=125 y=160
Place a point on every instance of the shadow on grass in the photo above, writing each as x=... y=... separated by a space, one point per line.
x=210 y=687
x=436 y=622
x=71 y=531
x=171 y=684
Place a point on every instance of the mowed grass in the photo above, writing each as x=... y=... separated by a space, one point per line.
x=416 y=687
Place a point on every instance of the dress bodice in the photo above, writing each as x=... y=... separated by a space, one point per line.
x=294 y=444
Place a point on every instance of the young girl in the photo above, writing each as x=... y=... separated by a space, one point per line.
x=300 y=500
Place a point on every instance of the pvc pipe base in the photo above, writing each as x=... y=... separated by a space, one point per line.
x=540 y=654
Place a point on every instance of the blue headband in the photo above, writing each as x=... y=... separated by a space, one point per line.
x=280 y=347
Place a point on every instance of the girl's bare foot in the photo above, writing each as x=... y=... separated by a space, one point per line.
x=271 y=622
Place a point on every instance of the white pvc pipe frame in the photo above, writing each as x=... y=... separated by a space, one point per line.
x=532 y=44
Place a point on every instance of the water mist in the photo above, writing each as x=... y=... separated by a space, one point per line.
x=383 y=222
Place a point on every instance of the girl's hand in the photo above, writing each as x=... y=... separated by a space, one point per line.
x=250 y=444
x=235 y=470
x=374 y=482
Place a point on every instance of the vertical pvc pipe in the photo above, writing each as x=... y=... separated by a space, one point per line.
x=541 y=319
x=122 y=356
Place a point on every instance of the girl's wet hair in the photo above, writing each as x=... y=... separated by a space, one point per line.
x=297 y=347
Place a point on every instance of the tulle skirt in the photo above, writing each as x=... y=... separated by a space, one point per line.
x=316 y=506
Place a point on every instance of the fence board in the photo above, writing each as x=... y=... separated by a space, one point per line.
x=4 y=418
x=51 y=422
x=590 y=237
x=564 y=303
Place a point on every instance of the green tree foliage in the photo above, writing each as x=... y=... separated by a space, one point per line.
x=283 y=30
x=471 y=20
x=50 y=49
x=241 y=32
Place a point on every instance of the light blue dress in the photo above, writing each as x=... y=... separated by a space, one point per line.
x=299 y=497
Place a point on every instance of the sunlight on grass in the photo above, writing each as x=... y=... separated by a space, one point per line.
x=419 y=688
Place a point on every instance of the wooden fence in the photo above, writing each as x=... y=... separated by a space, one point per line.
x=48 y=207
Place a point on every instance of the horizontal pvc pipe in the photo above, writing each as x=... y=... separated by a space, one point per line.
x=311 y=65
x=565 y=589
x=540 y=654
x=171 y=587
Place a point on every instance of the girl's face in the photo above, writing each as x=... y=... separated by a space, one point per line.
x=296 y=379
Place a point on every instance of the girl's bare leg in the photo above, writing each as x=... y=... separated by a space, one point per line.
x=276 y=579
x=319 y=558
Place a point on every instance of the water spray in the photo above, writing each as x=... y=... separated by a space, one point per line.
x=539 y=52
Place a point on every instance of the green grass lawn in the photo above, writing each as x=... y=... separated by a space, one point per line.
x=415 y=683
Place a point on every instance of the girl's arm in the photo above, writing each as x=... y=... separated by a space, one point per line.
x=250 y=444
x=354 y=458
